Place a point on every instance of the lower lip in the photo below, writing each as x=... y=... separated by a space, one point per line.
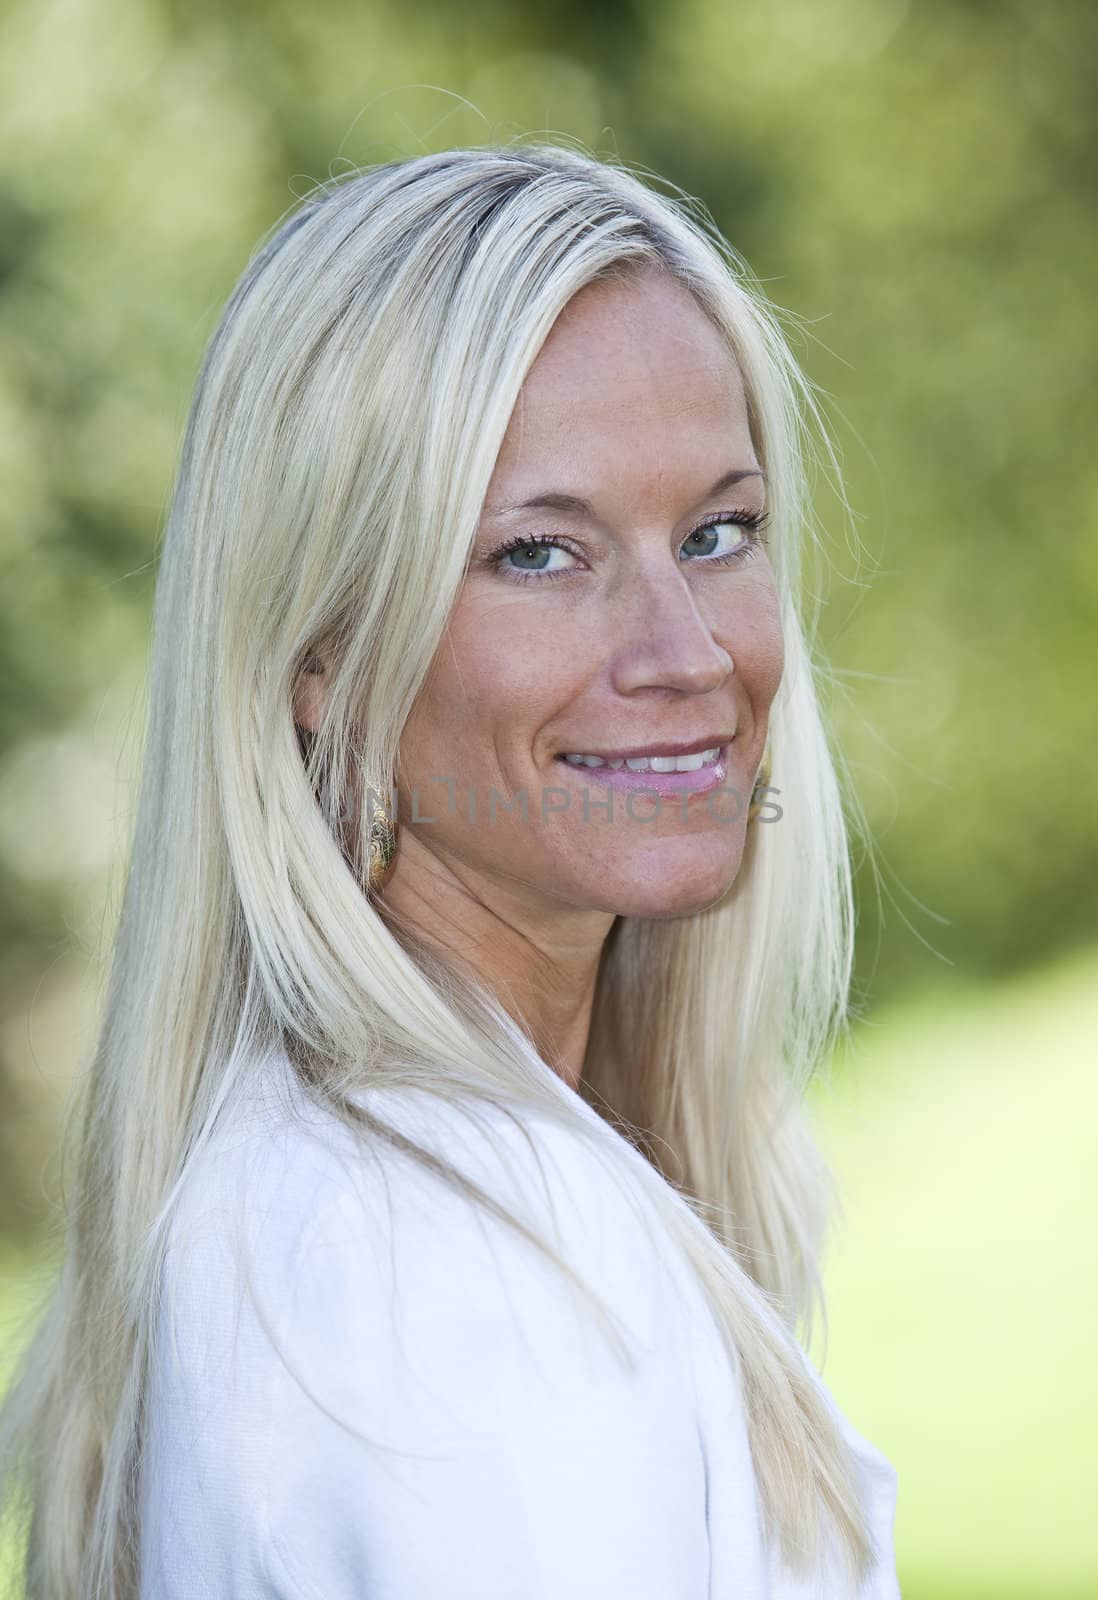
x=665 y=783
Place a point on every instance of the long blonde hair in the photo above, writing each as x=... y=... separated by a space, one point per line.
x=344 y=428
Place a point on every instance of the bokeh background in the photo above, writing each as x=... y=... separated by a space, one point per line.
x=914 y=182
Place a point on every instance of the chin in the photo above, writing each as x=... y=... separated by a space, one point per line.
x=665 y=882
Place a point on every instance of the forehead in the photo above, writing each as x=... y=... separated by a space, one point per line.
x=631 y=371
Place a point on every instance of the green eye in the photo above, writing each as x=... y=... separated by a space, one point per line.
x=704 y=543
x=530 y=557
x=703 y=540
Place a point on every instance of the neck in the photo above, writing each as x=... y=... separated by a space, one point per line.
x=539 y=959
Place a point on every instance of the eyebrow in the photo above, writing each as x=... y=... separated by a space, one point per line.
x=553 y=501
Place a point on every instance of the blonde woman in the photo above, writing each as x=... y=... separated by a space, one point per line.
x=444 y=1220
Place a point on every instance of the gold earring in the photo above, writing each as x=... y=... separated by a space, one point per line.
x=382 y=843
x=762 y=781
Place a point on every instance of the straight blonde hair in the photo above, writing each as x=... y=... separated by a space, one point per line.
x=328 y=492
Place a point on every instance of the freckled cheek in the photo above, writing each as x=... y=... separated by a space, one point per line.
x=775 y=639
x=751 y=632
x=771 y=662
x=501 y=675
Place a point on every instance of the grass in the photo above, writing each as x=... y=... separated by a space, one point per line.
x=962 y=1285
x=24 y=1278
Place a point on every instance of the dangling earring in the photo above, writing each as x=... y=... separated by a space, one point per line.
x=383 y=841
x=761 y=782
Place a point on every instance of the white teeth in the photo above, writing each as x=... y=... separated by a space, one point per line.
x=691 y=763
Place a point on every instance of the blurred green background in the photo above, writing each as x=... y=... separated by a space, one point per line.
x=915 y=185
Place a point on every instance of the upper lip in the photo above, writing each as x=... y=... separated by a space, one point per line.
x=713 y=741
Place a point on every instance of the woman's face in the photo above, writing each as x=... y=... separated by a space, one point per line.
x=639 y=613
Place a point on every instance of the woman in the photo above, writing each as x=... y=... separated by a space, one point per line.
x=444 y=1212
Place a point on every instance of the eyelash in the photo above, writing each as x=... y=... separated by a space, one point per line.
x=754 y=521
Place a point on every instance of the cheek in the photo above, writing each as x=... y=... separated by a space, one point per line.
x=749 y=626
x=496 y=677
x=771 y=651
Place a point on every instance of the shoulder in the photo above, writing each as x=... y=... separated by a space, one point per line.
x=346 y=1338
x=287 y=1180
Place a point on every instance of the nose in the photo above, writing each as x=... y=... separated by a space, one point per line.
x=665 y=641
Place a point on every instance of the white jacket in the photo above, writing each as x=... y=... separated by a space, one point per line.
x=469 y=1434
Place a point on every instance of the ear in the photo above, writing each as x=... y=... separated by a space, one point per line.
x=311 y=692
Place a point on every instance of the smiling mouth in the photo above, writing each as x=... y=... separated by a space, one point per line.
x=696 y=772
x=689 y=763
